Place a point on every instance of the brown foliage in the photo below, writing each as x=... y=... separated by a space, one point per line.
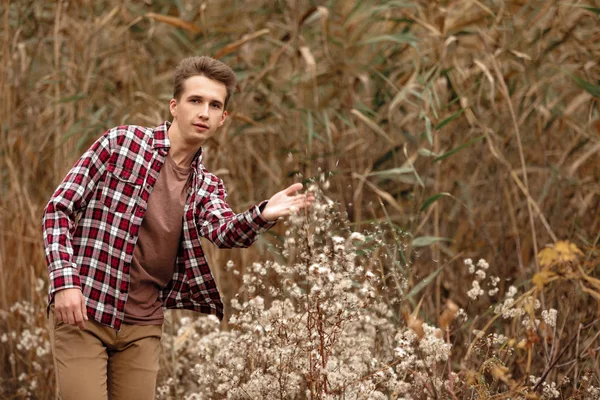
x=376 y=93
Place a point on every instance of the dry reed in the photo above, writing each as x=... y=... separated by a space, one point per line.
x=470 y=127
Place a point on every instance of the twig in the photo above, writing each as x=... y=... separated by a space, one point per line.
x=506 y=94
x=450 y=386
x=547 y=371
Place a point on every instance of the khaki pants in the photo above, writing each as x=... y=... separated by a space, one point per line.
x=99 y=363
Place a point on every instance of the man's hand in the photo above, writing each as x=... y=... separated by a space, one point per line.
x=282 y=203
x=69 y=307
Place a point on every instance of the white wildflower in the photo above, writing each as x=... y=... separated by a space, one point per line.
x=550 y=391
x=530 y=324
x=483 y=264
x=497 y=339
x=480 y=274
x=475 y=291
x=469 y=263
x=357 y=236
x=549 y=317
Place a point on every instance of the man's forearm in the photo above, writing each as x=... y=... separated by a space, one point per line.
x=226 y=229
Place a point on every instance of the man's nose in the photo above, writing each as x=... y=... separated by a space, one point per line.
x=203 y=112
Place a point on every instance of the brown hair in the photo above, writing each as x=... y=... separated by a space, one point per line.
x=203 y=66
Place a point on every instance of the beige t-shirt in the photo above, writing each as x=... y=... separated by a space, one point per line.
x=155 y=253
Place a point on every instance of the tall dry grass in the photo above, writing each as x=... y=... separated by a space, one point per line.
x=468 y=128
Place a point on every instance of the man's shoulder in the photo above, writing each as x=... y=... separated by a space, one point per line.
x=210 y=181
x=209 y=177
x=130 y=132
x=130 y=138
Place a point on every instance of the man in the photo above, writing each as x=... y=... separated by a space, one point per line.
x=122 y=239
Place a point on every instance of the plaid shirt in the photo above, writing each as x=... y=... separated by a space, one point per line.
x=92 y=221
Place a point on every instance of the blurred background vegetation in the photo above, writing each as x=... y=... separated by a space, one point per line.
x=471 y=126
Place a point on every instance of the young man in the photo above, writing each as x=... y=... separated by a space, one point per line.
x=122 y=240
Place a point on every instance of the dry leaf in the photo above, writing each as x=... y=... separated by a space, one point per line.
x=568 y=251
x=448 y=314
x=561 y=252
x=542 y=278
x=414 y=323
x=174 y=21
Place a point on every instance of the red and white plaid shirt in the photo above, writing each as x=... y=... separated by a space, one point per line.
x=92 y=221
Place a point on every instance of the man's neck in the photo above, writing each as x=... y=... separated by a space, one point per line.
x=181 y=152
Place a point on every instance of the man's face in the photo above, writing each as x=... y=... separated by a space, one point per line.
x=199 y=112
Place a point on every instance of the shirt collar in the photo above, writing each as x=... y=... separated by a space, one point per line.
x=161 y=141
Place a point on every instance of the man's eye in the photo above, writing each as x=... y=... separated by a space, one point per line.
x=216 y=105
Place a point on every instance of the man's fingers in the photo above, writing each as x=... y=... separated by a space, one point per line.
x=303 y=200
x=302 y=197
x=293 y=188
x=78 y=317
x=70 y=319
x=83 y=308
x=58 y=315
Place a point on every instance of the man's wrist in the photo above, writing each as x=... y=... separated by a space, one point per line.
x=261 y=209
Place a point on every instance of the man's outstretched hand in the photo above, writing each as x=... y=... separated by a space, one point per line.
x=282 y=203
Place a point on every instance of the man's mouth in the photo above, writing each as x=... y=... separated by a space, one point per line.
x=201 y=125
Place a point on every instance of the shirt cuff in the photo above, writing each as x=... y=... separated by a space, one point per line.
x=64 y=278
x=258 y=221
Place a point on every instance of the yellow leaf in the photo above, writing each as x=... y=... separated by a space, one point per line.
x=567 y=251
x=542 y=278
x=547 y=257
x=561 y=252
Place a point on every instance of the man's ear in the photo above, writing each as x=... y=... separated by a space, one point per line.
x=223 y=118
x=173 y=107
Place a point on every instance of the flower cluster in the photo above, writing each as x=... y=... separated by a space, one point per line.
x=311 y=325
x=480 y=272
x=31 y=347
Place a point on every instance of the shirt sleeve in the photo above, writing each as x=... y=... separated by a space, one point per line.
x=58 y=222
x=226 y=229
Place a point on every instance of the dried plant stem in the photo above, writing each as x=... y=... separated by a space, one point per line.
x=559 y=356
x=436 y=227
x=535 y=206
x=322 y=345
x=312 y=379
x=507 y=98
x=450 y=386
x=577 y=352
x=174 y=364
x=57 y=110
